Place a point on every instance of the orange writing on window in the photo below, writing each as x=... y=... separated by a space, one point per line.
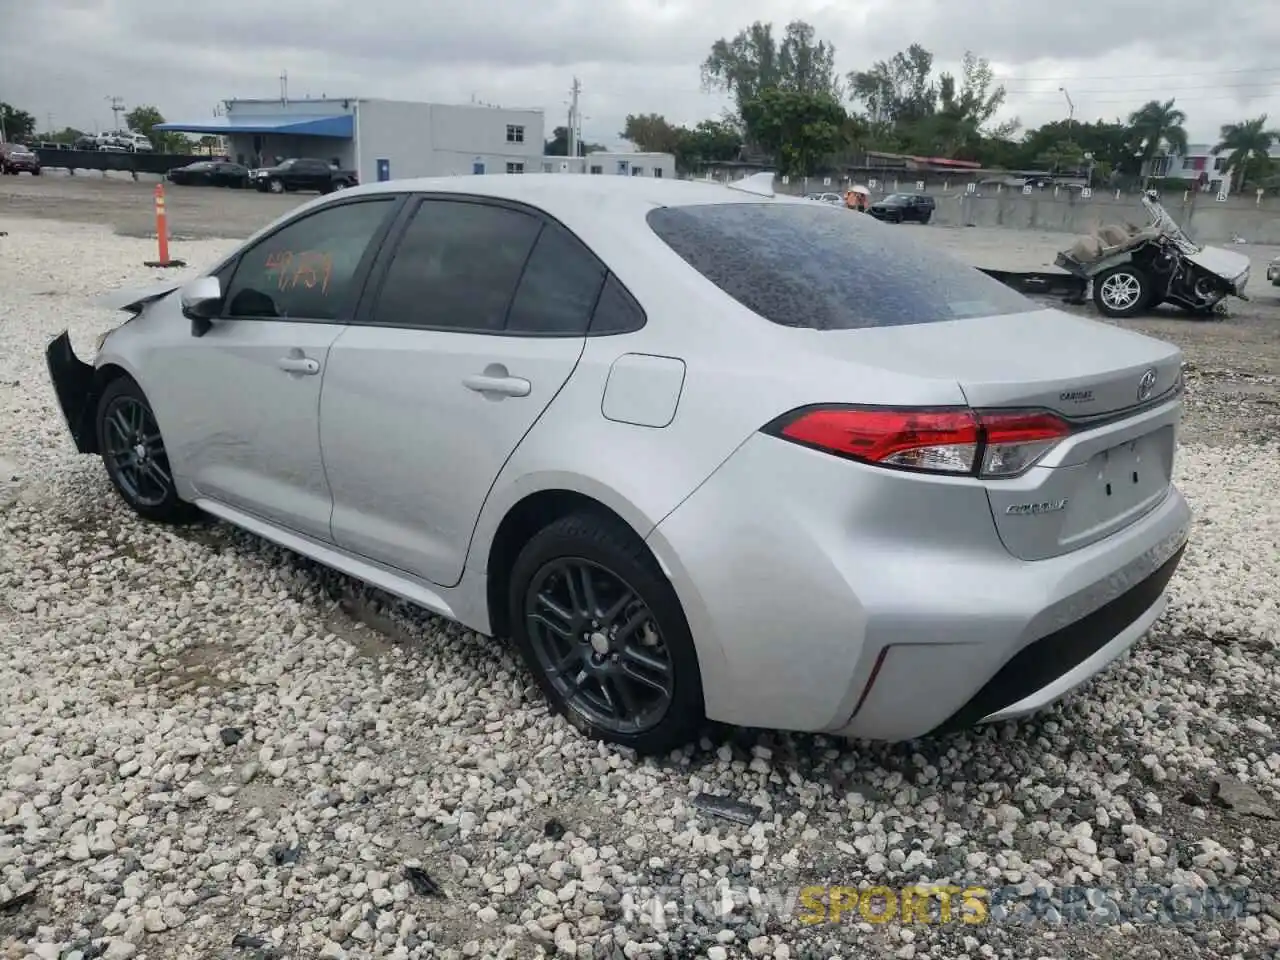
x=311 y=268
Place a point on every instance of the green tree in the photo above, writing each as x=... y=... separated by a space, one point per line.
x=754 y=61
x=65 y=135
x=16 y=124
x=899 y=91
x=651 y=132
x=558 y=145
x=1158 y=127
x=1065 y=155
x=799 y=129
x=1248 y=148
x=949 y=116
x=145 y=119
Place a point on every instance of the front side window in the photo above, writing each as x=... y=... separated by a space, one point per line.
x=306 y=269
x=456 y=267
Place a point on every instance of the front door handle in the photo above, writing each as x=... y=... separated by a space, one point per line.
x=303 y=365
x=498 y=386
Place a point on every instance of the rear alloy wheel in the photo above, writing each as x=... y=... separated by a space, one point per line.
x=1122 y=291
x=603 y=632
x=134 y=455
x=276 y=186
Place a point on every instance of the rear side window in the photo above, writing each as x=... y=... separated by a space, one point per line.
x=805 y=265
x=456 y=267
x=559 y=287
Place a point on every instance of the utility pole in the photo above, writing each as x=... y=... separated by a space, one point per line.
x=574 y=120
x=284 y=86
x=117 y=108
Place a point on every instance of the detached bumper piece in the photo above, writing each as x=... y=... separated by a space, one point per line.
x=1071 y=288
x=74 y=383
x=1044 y=661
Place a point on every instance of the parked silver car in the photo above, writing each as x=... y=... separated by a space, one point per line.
x=700 y=452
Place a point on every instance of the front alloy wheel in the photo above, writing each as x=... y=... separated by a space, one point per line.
x=134 y=454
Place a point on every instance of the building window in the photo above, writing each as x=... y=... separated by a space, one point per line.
x=657 y=172
x=637 y=171
x=622 y=168
x=548 y=168
x=515 y=168
x=515 y=134
x=1219 y=164
x=596 y=168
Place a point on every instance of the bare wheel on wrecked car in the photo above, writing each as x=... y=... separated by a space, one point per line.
x=1122 y=291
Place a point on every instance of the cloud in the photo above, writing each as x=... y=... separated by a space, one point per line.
x=63 y=59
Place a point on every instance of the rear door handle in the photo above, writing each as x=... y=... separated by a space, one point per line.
x=498 y=386
x=303 y=365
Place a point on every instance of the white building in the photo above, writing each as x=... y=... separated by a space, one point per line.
x=617 y=164
x=379 y=139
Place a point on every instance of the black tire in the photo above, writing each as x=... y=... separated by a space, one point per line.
x=924 y=219
x=125 y=420
x=276 y=186
x=35 y=173
x=1122 y=291
x=600 y=654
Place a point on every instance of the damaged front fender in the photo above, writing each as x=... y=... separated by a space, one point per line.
x=76 y=385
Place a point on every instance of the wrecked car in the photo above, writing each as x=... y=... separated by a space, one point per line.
x=1134 y=269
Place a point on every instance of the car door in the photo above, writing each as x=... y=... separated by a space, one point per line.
x=245 y=395
x=472 y=323
x=311 y=174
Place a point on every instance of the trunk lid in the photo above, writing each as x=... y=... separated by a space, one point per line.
x=1116 y=466
x=1044 y=358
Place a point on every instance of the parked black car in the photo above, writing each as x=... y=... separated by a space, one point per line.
x=898 y=207
x=302 y=173
x=210 y=173
x=16 y=158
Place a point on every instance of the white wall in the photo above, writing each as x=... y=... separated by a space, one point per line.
x=614 y=164
x=435 y=140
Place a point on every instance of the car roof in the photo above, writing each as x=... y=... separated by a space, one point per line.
x=566 y=194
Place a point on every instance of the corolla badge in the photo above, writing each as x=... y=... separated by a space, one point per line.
x=1035 y=509
x=1146 y=384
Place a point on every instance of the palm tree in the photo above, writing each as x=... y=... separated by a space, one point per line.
x=1158 y=126
x=1245 y=143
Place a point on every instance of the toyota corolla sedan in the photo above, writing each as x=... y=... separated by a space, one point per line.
x=700 y=451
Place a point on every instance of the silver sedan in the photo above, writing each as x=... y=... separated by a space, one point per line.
x=700 y=451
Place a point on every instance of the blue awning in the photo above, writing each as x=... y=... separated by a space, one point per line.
x=342 y=126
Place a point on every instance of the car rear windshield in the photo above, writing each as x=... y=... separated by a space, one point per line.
x=804 y=265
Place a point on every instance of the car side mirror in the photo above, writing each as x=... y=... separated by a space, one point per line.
x=202 y=303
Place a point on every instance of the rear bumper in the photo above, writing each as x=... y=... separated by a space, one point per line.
x=828 y=596
x=74 y=383
x=1051 y=667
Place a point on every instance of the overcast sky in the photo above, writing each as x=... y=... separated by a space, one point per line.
x=62 y=59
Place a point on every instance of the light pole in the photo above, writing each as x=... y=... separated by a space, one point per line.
x=1071 y=109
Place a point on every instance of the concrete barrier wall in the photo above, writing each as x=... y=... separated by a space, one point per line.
x=1204 y=218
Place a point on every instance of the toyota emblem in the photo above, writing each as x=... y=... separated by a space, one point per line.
x=1146 y=384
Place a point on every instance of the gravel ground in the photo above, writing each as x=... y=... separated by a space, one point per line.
x=209 y=747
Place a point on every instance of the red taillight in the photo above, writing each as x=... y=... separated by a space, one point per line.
x=958 y=441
